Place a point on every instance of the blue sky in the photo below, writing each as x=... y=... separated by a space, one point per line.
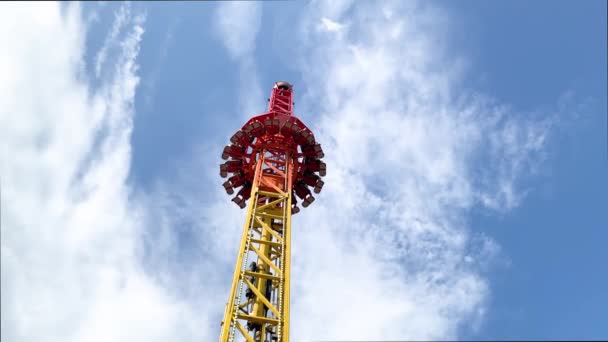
x=466 y=149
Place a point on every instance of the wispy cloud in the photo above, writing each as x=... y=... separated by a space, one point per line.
x=121 y=18
x=406 y=146
x=384 y=253
x=330 y=25
x=71 y=236
x=237 y=25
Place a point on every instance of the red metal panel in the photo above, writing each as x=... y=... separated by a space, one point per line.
x=277 y=131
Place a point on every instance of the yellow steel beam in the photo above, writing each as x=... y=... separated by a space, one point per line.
x=267 y=228
x=266 y=242
x=237 y=270
x=272 y=194
x=266 y=259
x=244 y=332
x=286 y=262
x=263 y=254
x=261 y=297
x=262 y=275
x=257 y=319
x=270 y=204
x=267 y=233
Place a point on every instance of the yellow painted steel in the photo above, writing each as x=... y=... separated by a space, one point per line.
x=258 y=304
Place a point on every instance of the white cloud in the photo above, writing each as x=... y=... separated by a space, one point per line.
x=330 y=25
x=237 y=24
x=121 y=18
x=71 y=237
x=385 y=251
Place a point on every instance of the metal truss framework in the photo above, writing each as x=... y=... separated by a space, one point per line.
x=258 y=306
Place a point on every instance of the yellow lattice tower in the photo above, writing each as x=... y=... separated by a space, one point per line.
x=273 y=158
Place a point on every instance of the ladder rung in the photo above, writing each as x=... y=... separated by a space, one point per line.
x=258 y=319
x=271 y=243
x=262 y=275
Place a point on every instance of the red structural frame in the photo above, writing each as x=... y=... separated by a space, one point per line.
x=277 y=129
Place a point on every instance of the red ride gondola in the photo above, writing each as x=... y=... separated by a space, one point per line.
x=277 y=128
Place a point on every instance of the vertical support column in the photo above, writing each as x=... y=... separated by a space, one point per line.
x=229 y=323
x=261 y=274
x=287 y=251
x=263 y=267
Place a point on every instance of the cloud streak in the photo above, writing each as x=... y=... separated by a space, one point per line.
x=121 y=18
x=71 y=236
x=386 y=253
x=237 y=25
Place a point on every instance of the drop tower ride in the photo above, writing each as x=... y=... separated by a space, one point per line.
x=271 y=162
